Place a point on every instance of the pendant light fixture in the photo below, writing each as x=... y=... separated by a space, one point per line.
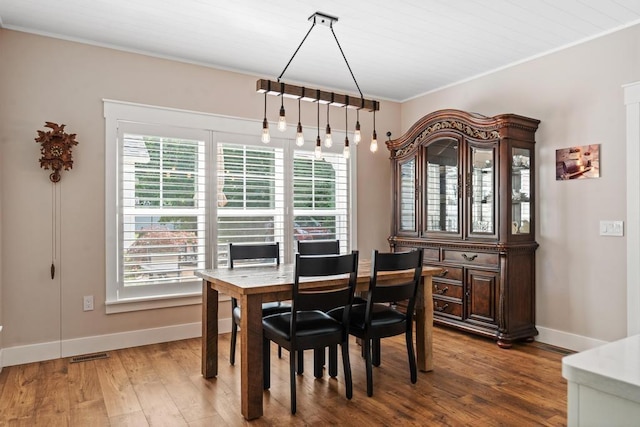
x=356 y=134
x=266 y=138
x=282 y=119
x=332 y=99
x=328 y=141
x=345 y=152
x=374 y=140
x=299 y=134
x=318 y=151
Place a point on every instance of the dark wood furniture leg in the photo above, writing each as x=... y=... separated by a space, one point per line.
x=424 y=325
x=209 y=330
x=251 y=351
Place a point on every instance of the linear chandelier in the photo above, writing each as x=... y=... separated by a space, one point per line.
x=331 y=99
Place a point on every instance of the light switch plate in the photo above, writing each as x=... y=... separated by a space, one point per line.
x=612 y=228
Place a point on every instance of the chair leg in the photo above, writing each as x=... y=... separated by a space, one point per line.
x=266 y=363
x=346 y=364
x=232 y=347
x=300 y=356
x=375 y=349
x=292 y=379
x=318 y=362
x=369 y=368
x=412 y=356
x=333 y=361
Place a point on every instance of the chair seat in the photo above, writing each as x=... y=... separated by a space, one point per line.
x=383 y=315
x=268 y=308
x=309 y=323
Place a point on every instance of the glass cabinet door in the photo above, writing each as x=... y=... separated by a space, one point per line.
x=443 y=186
x=407 y=197
x=481 y=184
x=520 y=190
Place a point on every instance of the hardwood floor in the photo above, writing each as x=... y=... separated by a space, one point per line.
x=474 y=383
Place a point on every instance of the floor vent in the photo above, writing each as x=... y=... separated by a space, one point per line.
x=551 y=348
x=88 y=357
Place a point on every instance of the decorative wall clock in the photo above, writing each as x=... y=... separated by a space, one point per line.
x=56 y=149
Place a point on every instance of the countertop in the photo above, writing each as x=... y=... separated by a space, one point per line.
x=613 y=368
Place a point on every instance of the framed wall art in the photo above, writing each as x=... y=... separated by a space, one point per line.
x=578 y=162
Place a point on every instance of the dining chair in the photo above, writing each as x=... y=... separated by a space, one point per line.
x=380 y=317
x=307 y=325
x=318 y=247
x=265 y=252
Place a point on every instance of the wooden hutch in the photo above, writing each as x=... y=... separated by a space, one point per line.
x=464 y=190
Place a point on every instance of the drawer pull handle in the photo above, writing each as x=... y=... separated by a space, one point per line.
x=469 y=258
x=441 y=291
x=440 y=308
x=444 y=273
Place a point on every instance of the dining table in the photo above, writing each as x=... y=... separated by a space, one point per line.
x=254 y=285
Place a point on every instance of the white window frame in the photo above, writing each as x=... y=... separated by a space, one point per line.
x=213 y=126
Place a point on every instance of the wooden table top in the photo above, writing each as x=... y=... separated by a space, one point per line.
x=249 y=280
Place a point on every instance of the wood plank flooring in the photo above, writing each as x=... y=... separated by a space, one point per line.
x=474 y=383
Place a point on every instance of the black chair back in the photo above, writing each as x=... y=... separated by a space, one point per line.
x=398 y=290
x=327 y=265
x=318 y=247
x=252 y=251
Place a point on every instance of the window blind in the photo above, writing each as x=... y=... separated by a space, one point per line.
x=320 y=197
x=251 y=199
x=162 y=193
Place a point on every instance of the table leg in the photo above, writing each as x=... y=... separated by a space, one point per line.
x=424 y=325
x=251 y=351
x=209 y=330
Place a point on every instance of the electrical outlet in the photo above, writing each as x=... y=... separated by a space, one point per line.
x=87 y=304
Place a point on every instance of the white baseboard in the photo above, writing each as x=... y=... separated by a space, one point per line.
x=54 y=350
x=73 y=347
x=567 y=340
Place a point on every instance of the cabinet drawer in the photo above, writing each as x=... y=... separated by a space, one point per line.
x=449 y=273
x=470 y=257
x=447 y=289
x=448 y=308
x=431 y=254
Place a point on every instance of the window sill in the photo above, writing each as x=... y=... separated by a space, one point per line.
x=150 y=303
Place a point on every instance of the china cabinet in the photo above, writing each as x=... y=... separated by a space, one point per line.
x=464 y=190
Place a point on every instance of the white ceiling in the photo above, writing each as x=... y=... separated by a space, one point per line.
x=397 y=50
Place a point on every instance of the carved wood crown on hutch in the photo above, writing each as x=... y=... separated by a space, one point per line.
x=476 y=126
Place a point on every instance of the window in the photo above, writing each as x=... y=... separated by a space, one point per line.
x=251 y=196
x=258 y=185
x=163 y=209
x=178 y=192
x=320 y=197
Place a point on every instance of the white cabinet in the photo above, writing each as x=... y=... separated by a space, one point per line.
x=604 y=385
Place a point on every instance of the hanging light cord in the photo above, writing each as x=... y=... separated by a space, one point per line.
x=296 y=52
x=339 y=47
x=346 y=62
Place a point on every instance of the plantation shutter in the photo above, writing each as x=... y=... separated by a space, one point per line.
x=162 y=192
x=251 y=203
x=320 y=197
